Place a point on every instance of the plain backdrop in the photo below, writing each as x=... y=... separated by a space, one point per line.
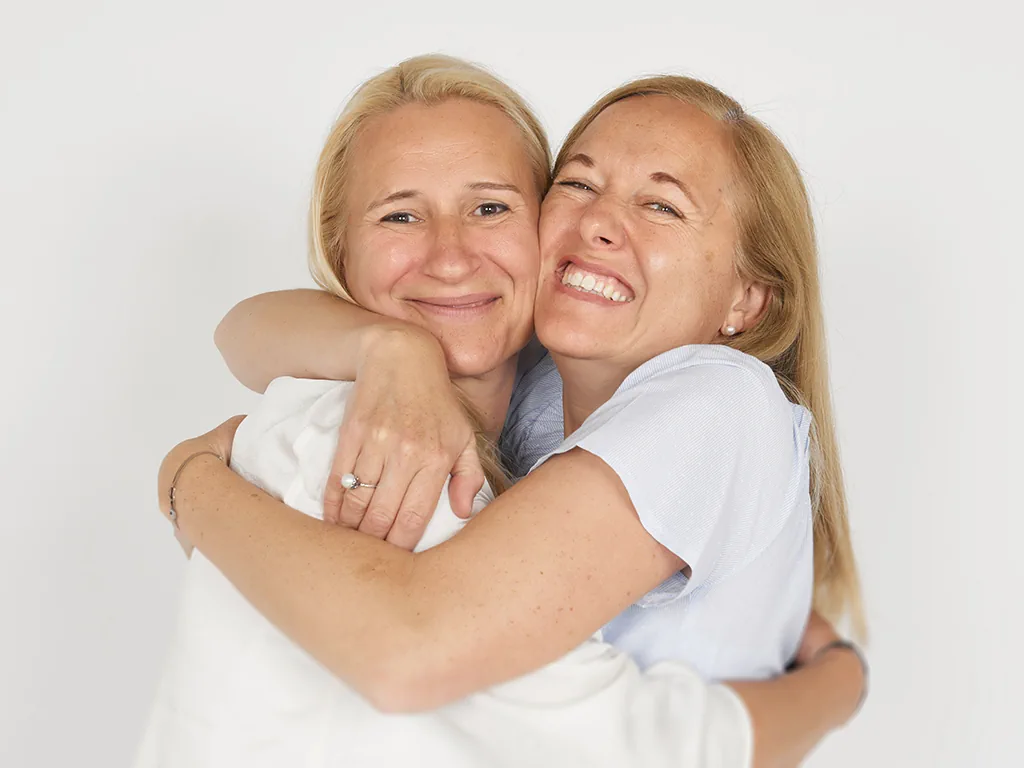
x=155 y=162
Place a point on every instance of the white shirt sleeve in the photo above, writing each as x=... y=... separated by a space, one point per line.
x=238 y=692
x=594 y=707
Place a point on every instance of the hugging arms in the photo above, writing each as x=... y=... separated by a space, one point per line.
x=592 y=530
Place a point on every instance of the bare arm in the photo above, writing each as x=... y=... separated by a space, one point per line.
x=303 y=333
x=414 y=631
x=403 y=416
x=791 y=714
x=547 y=564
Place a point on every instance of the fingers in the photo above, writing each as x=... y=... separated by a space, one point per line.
x=349 y=444
x=467 y=480
x=386 y=500
x=355 y=502
x=222 y=437
x=418 y=506
x=817 y=634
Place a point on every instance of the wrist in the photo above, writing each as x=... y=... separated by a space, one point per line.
x=182 y=492
x=397 y=340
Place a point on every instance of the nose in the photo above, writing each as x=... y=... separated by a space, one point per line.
x=450 y=258
x=601 y=225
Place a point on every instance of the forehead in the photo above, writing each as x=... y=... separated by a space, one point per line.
x=457 y=138
x=660 y=133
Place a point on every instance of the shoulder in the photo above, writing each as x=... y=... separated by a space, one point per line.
x=538 y=388
x=699 y=385
x=533 y=426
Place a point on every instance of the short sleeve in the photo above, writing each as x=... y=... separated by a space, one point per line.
x=706 y=454
x=533 y=426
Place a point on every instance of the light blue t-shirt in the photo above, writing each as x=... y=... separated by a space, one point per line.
x=716 y=462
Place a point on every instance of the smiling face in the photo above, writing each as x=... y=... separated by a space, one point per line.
x=442 y=228
x=638 y=237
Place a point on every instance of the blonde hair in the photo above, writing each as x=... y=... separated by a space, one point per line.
x=427 y=80
x=776 y=247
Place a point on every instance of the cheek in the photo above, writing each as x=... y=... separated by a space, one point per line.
x=523 y=259
x=690 y=280
x=375 y=265
x=559 y=221
x=512 y=248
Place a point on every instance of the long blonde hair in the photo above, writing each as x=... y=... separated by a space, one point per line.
x=427 y=80
x=777 y=247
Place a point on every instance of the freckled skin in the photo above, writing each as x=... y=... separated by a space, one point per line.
x=445 y=245
x=681 y=267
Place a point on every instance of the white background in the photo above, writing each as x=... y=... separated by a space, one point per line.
x=155 y=160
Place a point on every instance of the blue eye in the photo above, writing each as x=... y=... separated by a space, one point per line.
x=400 y=217
x=664 y=208
x=490 y=209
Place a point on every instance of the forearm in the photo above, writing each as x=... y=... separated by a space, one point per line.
x=302 y=333
x=416 y=631
x=345 y=597
x=792 y=713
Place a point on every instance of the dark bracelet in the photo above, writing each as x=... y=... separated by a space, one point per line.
x=848 y=646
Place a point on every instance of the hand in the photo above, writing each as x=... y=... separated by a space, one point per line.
x=218 y=440
x=404 y=431
x=817 y=635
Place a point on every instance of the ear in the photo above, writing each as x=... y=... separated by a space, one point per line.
x=748 y=308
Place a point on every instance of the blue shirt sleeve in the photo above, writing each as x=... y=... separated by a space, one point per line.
x=533 y=426
x=709 y=453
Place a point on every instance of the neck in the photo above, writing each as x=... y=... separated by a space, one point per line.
x=490 y=394
x=586 y=386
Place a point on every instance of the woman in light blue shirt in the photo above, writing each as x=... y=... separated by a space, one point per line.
x=677 y=255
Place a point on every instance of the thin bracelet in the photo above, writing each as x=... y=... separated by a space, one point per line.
x=171 y=512
x=847 y=645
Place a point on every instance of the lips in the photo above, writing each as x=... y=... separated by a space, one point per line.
x=467 y=305
x=589 y=266
x=595 y=280
x=467 y=301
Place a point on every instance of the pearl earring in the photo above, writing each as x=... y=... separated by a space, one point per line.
x=730 y=330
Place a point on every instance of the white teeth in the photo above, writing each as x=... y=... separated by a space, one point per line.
x=599 y=286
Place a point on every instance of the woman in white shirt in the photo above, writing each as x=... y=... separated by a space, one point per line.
x=417 y=631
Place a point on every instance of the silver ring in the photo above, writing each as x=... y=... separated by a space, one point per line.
x=350 y=482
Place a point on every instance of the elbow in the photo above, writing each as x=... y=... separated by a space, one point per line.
x=222 y=332
x=410 y=680
x=226 y=337
x=397 y=697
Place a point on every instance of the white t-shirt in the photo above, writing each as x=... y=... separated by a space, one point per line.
x=716 y=462
x=237 y=693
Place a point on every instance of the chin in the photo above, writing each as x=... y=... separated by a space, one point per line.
x=571 y=341
x=473 y=362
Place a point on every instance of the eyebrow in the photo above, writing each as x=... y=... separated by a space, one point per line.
x=479 y=186
x=581 y=158
x=402 y=194
x=661 y=177
x=476 y=186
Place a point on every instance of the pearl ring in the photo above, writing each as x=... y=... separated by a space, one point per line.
x=350 y=482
